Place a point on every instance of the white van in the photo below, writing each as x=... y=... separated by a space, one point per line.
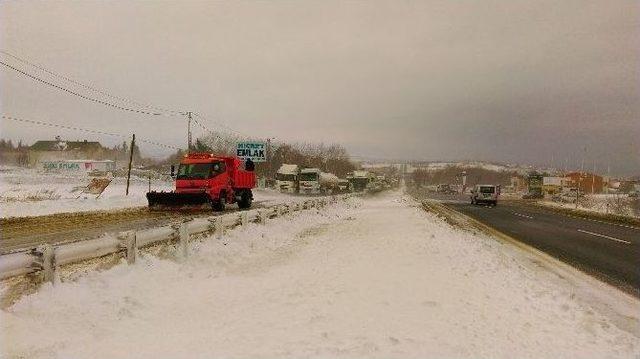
x=485 y=193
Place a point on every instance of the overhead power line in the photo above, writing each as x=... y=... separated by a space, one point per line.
x=160 y=111
x=88 y=87
x=227 y=128
x=80 y=129
x=81 y=95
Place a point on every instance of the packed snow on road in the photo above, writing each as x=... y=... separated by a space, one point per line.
x=31 y=192
x=369 y=277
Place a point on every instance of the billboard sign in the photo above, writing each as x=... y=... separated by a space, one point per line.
x=256 y=151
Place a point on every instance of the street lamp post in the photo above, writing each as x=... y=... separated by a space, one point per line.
x=270 y=156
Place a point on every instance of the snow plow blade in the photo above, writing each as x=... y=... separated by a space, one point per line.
x=173 y=200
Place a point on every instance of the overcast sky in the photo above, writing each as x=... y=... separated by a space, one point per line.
x=510 y=81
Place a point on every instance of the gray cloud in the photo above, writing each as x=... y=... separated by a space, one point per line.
x=496 y=80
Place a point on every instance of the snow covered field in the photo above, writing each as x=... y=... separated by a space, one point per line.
x=436 y=166
x=374 y=277
x=29 y=192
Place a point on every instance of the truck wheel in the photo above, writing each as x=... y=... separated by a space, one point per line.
x=219 y=204
x=245 y=200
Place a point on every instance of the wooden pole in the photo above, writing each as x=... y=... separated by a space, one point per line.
x=188 y=132
x=133 y=143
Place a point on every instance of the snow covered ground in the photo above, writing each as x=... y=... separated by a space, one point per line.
x=373 y=277
x=619 y=204
x=29 y=192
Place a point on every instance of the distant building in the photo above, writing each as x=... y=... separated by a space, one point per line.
x=518 y=184
x=59 y=150
x=554 y=184
x=586 y=182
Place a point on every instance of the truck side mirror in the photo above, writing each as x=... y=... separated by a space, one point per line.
x=173 y=171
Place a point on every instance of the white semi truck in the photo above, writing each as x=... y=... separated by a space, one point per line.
x=287 y=178
x=314 y=181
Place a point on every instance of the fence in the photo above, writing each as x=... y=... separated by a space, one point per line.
x=46 y=258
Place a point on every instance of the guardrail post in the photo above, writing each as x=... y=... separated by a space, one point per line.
x=219 y=229
x=129 y=243
x=212 y=225
x=262 y=216
x=46 y=261
x=183 y=236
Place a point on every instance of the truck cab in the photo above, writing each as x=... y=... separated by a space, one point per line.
x=310 y=181
x=287 y=179
x=485 y=193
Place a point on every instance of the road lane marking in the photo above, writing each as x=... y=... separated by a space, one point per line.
x=522 y=215
x=603 y=222
x=604 y=236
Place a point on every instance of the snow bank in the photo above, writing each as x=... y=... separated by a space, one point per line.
x=618 y=204
x=435 y=166
x=29 y=192
x=369 y=278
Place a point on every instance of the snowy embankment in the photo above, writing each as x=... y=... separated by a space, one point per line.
x=375 y=277
x=617 y=204
x=29 y=192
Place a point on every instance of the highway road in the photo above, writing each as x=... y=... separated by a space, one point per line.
x=607 y=250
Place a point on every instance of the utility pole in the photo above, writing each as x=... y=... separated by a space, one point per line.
x=188 y=132
x=133 y=143
x=269 y=160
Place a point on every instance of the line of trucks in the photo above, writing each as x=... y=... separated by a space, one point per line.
x=208 y=180
x=291 y=178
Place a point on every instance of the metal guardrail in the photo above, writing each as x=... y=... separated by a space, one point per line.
x=46 y=258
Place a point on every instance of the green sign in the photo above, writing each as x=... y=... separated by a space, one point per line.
x=254 y=150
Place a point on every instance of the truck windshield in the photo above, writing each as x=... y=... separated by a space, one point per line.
x=487 y=189
x=285 y=177
x=199 y=170
x=308 y=177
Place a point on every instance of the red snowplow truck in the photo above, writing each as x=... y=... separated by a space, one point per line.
x=204 y=179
